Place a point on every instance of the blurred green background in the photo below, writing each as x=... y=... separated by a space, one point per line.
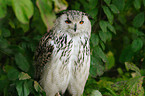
x=117 y=44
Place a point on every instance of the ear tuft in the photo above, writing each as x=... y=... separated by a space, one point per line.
x=60 y=13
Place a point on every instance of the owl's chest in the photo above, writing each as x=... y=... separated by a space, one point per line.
x=75 y=50
x=70 y=51
x=67 y=48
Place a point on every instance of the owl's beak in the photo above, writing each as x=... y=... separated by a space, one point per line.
x=75 y=27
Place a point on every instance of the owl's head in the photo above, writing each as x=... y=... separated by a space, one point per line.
x=74 y=23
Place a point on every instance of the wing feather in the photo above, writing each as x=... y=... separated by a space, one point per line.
x=43 y=54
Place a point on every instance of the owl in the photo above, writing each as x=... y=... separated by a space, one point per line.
x=62 y=59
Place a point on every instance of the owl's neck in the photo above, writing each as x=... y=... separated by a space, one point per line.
x=73 y=36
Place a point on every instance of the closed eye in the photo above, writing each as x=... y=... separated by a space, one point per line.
x=68 y=21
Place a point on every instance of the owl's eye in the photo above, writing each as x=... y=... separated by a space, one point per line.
x=68 y=21
x=81 y=22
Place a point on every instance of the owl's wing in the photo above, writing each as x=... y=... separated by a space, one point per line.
x=43 y=54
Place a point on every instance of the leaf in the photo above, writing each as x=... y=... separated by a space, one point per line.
x=120 y=71
x=108 y=14
x=137 y=44
x=13 y=73
x=96 y=93
x=60 y=5
x=107 y=2
x=3 y=8
x=93 y=13
x=47 y=14
x=96 y=67
x=122 y=19
x=134 y=86
x=103 y=36
x=90 y=85
x=103 y=25
x=4 y=82
x=103 y=82
x=23 y=10
x=23 y=76
x=84 y=3
x=76 y=5
x=94 y=39
x=101 y=54
x=102 y=45
x=93 y=4
x=23 y=88
x=126 y=54
x=131 y=66
x=109 y=35
x=111 y=91
x=5 y=32
x=37 y=87
x=114 y=9
x=3 y=43
x=138 y=20
x=111 y=60
x=111 y=28
x=25 y=27
x=9 y=2
x=135 y=31
x=22 y=62
x=12 y=24
x=19 y=87
x=119 y=4
x=26 y=88
x=137 y=4
x=144 y=2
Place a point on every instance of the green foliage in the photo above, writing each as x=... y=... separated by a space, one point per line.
x=117 y=41
x=114 y=9
x=22 y=88
x=137 y=4
x=137 y=44
x=95 y=93
x=22 y=62
x=37 y=87
x=131 y=86
x=45 y=7
x=12 y=73
x=108 y=14
x=23 y=76
x=23 y=10
x=138 y=20
x=134 y=85
x=3 y=8
x=111 y=60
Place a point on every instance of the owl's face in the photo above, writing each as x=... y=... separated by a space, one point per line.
x=74 y=23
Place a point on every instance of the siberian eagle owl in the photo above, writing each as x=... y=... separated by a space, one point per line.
x=62 y=59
